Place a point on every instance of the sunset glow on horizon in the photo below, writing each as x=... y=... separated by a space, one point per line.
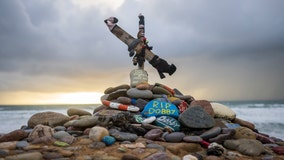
x=28 y=98
x=73 y=98
x=62 y=52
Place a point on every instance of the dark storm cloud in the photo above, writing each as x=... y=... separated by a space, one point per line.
x=222 y=26
x=60 y=44
x=37 y=38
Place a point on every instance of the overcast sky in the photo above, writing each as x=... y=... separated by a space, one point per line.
x=223 y=50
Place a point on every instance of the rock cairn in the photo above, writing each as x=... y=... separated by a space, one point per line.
x=141 y=122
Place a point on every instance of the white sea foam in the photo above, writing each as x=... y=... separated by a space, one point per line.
x=268 y=117
x=13 y=117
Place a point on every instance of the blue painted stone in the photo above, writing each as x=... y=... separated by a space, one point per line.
x=140 y=119
x=108 y=140
x=232 y=125
x=160 y=108
x=168 y=122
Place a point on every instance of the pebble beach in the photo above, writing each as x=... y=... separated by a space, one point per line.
x=141 y=121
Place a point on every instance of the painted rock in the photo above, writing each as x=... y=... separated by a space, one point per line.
x=136 y=93
x=196 y=117
x=61 y=144
x=159 y=108
x=120 y=106
x=140 y=119
x=222 y=111
x=174 y=137
x=138 y=76
x=108 y=140
x=168 y=122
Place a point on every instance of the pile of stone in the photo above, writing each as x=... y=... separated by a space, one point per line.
x=141 y=122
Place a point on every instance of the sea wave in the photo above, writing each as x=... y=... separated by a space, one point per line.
x=253 y=104
x=268 y=117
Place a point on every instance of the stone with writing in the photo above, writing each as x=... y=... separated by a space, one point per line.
x=160 y=108
x=168 y=122
x=196 y=117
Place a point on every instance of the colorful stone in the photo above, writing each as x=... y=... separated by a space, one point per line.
x=168 y=122
x=159 y=108
x=108 y=140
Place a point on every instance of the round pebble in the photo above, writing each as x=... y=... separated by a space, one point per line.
x=60 y=134
x=174 y=137
x=108 y=140
x=136 y=93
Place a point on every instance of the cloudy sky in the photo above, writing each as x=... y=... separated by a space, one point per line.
x=62 y=52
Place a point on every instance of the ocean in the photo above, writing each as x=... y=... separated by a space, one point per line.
x=268 y=116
